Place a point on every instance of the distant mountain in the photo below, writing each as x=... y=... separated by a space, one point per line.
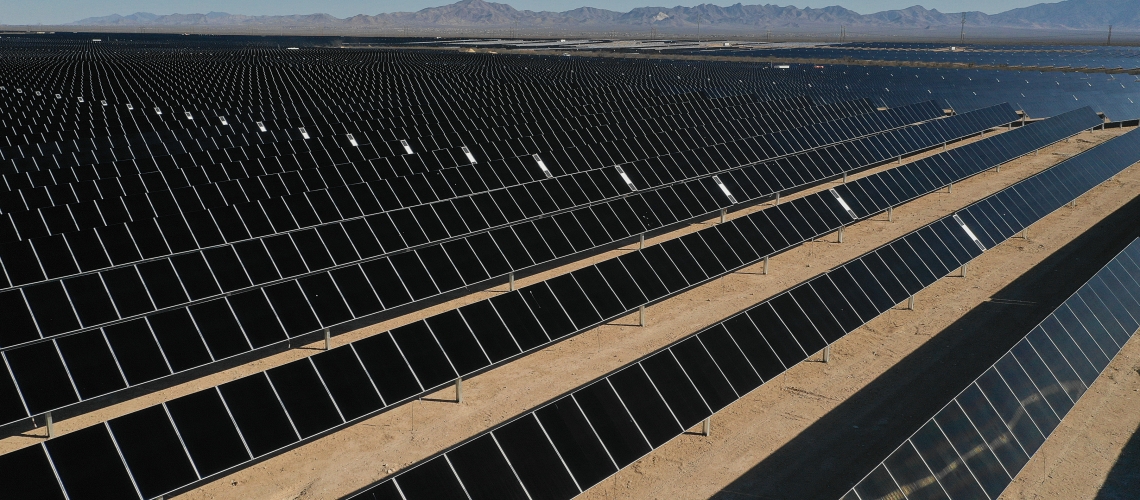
x=1074 y=14
x=1069 y=14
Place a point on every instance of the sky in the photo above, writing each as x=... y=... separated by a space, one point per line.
x=16 y=12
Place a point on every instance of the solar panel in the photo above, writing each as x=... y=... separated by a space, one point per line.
x=979 y=442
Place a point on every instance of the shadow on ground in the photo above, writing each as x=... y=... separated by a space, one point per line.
x=1123 y=481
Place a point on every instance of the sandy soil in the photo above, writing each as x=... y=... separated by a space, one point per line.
x=355 y=456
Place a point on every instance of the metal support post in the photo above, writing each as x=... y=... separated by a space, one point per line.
x=641 y=316
x=950 y=188
x=50 y=425
x=511 y=281
x=777 y=198
x=459 y=390
x=706 y=427
x=910 y=303
x=964 y=269
x=841 y=234
x=900 y=159
x=1025 y=234
x=944 y=146
x=827 y=354
x=328 y=342
x=641 y=241
x=723 y=213
x=890 y=214
x=998 y=168
x=845 y=177
x=765 y=264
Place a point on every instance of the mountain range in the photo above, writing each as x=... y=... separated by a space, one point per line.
x=1068 y=14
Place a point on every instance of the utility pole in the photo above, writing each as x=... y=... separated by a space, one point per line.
x=962 y=35
x=698 y=28
x=1109 y=35
x=769 y=30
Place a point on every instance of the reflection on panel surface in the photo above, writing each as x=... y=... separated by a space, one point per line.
x=997 y=423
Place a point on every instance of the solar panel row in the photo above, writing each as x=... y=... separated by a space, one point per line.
x=337 y=170
x=196 y=191
x=588 y=434
x=695 y=258
x=198 y=146
x=273 y=261
x=978 y=443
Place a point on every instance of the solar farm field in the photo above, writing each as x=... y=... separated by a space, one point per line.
x=258 y=267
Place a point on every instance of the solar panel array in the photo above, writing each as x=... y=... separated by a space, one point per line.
x=1056 y=56
x=977 y=444
x=231 y=424
x=1067 y=76
x=52 y=375
x=173 y=206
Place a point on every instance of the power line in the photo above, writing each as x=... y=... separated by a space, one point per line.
x=962 y=35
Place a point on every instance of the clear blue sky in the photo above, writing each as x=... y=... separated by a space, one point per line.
x=65 y=11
